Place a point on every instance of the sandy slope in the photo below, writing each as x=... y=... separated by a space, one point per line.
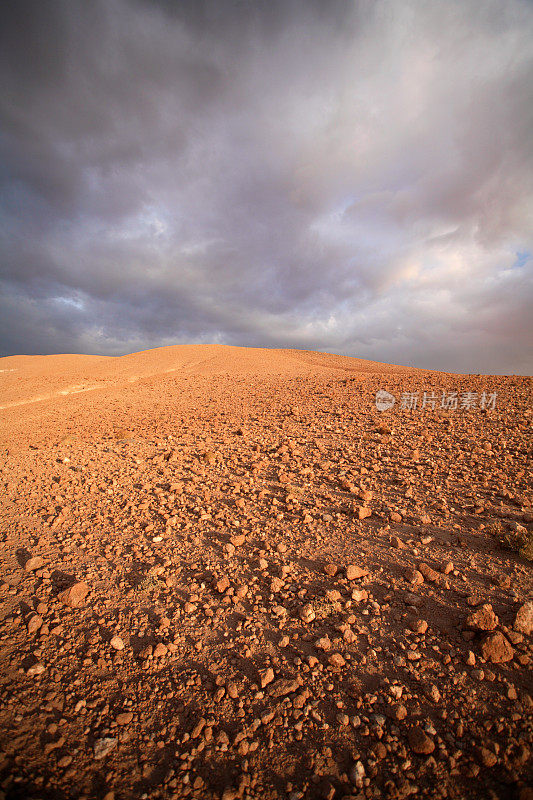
x=36 y=388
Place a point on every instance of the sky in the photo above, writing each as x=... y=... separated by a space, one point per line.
x=346 y=176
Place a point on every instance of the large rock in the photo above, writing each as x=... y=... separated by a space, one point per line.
x=496 y=648
x=524 y=618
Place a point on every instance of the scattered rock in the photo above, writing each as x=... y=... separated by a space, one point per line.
x=75 y=595
x=419 y=742
x=282 y=687
x=307 y=613
x=428 y=573
x=33 y=563
x=34 y=623
x=353 y=572
x=483 y=619
x=496 y=648
x=266 y=676
x=524 y=618
x=102 y=747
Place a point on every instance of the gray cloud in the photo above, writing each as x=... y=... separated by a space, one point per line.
x=349 y=177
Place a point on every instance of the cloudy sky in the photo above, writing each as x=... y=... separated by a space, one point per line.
x=352 y=176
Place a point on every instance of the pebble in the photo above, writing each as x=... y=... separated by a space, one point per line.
x=266 y=676
x=34 y=623
x=36 y=669
x=496 y=648
x=75 y=595
x=483 y=619
x=524 y=618
x=33 y=563
x=420 y=742
x=283 y=686
x=353 y=572
x=307 y=613
x=102 y=747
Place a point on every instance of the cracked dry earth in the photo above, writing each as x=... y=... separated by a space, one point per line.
x=225 y=574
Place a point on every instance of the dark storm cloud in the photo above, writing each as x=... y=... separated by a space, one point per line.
x=350 y=177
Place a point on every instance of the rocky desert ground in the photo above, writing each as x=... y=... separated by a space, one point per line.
x=226 y=574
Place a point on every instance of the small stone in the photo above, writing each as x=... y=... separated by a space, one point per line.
x=34 y=623
x=353 y=572
x=336 y=661
x=496 y=648
x=266 y=676
x=222 y=584
x=432 y=693
x=357 y=774
x=160 y=650
x=482 y=619
x=117 y=643
x=330 y=569
x=124 y=718
x=33 y=563
x=359 y=595
x=420 y=742
x=397 y=543
x=232 y=690
x=524 y=618
x=398 y=711
x=429 y=574
x=35 y=669
x=104 y=746
x=307 y=613
x=75 y=595
x=413 y=576
x=418 y=626
x=379 y=751
x=282 y=687
x=446 y=567
x=198 y=728
x=488 y=758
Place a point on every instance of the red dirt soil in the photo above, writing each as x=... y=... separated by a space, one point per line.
x=226 y=574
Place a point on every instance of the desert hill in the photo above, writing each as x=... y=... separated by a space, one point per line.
x=44 y=390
